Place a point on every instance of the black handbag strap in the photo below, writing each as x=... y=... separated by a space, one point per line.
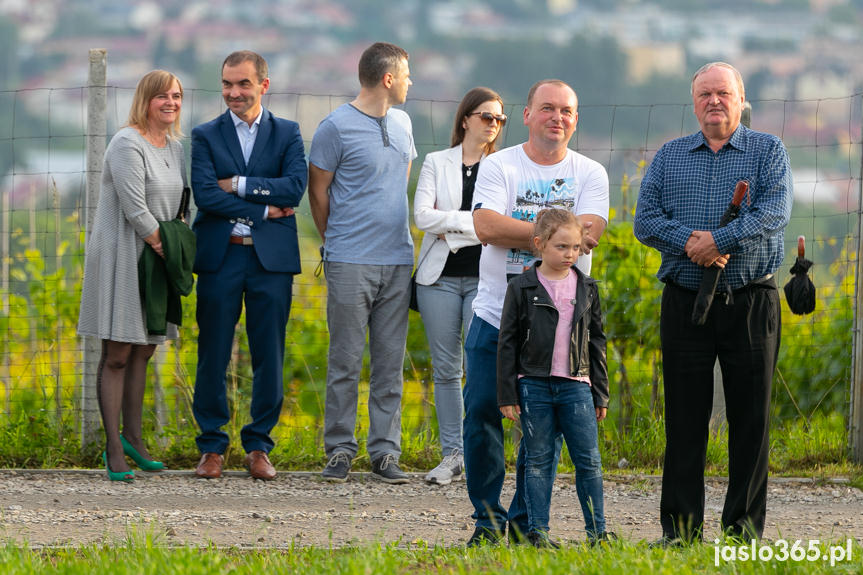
x=185 y=196
x=184 y=203
x=419 y=263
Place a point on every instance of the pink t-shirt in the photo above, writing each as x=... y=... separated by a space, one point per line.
x=562 y=294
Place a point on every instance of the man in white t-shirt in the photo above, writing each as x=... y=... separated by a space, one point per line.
x=512 y=186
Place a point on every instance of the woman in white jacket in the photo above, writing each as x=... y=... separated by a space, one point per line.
x=448 y=263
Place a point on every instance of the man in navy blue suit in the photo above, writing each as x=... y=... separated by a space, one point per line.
x=248 y=173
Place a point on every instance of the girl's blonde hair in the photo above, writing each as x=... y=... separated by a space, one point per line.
x=549 y=220
x=152 y=84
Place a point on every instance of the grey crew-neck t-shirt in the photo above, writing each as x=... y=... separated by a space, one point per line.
x=368 y=221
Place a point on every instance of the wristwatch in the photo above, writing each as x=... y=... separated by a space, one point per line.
x=235 y=184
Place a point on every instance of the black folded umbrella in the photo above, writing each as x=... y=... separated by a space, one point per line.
x=710 y=278
x=800 y=291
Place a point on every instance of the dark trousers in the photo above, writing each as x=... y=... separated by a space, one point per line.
x=221 y=295
x=744 y=335
x=485 y=466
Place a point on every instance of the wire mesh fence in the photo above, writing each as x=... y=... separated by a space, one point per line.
x=43 y=135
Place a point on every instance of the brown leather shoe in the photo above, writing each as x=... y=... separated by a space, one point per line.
x=259 y=465
x=210 y=466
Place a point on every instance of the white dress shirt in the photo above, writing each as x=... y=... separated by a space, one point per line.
x=247 y=135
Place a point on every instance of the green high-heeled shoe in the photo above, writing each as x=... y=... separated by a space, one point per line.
x=145 y=464
x=118 y=475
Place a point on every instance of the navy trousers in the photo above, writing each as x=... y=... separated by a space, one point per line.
x=221 y=295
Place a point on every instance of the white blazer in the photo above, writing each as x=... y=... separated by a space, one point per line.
x=436 y=211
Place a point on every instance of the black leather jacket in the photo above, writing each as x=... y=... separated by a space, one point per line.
x=526 y=340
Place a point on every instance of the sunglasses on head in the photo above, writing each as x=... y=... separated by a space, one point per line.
x=487 y=117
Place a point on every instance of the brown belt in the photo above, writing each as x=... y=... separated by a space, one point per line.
x=242 y=240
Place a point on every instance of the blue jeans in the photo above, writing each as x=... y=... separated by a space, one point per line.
x=483 y=436
x=445 y=307
x=549 y=406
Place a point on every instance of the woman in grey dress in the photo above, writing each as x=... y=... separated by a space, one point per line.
x=142 y=184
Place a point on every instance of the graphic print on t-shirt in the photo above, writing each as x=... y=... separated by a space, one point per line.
x=531 y=197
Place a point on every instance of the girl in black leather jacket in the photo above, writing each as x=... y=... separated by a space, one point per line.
x=552 y=371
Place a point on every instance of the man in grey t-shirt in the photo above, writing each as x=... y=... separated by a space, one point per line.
x=358 y=171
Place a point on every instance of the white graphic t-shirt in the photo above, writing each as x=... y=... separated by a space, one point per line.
x=511 y=184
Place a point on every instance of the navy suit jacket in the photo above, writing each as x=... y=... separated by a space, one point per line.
x=275 y=175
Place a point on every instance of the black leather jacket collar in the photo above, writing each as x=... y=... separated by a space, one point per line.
x=527 y=329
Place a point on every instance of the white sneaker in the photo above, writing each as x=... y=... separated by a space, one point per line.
x=451 y=466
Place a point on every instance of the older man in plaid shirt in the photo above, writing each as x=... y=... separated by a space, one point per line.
x=683 y=195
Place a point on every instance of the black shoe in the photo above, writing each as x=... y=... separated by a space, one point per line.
x=665 y=542
x=541 y=540
x=604 y=537
x=736 y=533
x=485 y=536
x=337 y=467
x=387 y=469
x=515 y=535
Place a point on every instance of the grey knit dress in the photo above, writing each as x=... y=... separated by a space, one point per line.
x=141 y=186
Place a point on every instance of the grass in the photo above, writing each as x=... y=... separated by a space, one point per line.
x=143 y=556
x=814 y=448
x=810 y=448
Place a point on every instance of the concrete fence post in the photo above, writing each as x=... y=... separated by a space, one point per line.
x=97 y=129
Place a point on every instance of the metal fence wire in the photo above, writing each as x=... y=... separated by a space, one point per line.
x=44 y=168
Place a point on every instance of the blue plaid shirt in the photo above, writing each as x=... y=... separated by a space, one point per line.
x=688 y=187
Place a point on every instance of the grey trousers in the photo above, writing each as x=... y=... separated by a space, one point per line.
x=361 y=297
x=445 y=307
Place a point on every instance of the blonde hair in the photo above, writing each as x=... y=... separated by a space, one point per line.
x=550 y=220
x=152 y=84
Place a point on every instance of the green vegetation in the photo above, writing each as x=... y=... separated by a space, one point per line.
x=42 y=369
x=144 y=555
x=809 y=435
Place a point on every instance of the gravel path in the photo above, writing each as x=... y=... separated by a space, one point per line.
x=49 y=508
